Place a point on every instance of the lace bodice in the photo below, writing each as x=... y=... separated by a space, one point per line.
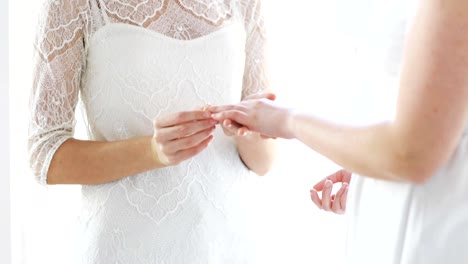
x=126 y=62
x=66 y=28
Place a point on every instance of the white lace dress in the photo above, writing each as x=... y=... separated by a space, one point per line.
x=130 y=61
x=390 y=222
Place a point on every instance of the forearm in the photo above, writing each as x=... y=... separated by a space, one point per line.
x=257 y=154
x=92 y=162
x=432 y=106
x=379 y=151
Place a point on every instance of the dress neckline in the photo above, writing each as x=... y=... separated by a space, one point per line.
x=113 y=26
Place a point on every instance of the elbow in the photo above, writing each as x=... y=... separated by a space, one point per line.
x=43 y=176
x=35 y=166
x=416 y=169
x=262 y=171
x=50 y=180
x=420 y=176
x=41 y=153
x=37 y=171
x=259 y=162
x=416 y=176
x=259 y=168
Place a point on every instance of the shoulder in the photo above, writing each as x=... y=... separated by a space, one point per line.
x=56 y=14
x=61 y=22
x=252 y=13
x=250 y=7
x=63 y=9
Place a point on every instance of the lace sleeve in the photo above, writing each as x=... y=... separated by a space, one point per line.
x=256 y=71
x=59 y=61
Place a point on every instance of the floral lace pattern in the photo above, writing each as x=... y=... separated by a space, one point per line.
x=66 y=27
x=128 y=61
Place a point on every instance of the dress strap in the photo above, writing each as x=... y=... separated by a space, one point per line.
x=103 y=12
x=99 y=15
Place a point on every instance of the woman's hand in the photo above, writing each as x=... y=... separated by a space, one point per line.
x=332 y=202
x=180 y=136
x=257 y=114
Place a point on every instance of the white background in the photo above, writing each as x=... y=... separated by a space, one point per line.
x=4 y=138
x=305 y=73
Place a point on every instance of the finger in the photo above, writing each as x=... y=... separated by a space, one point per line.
x=191 y=152
x=326 y=196
x=319 y=186
x=269 y=96
x=229 y=127
x=346 y=176
x=332 y=177
x=339 y=176
x=232 y=107
x=189 y=141
x=180 y=118
x=240 y=117
x=203 y=108
x=183 y=130
x=234 y=129
x=237 y=129
x=344 y=199
x=243 y=131
x=336 y=205
x=315 y=198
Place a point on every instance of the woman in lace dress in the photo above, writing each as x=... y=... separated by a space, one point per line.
x=412 y=206
x=160 y=183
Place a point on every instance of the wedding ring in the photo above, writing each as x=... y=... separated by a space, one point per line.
x=206 y=107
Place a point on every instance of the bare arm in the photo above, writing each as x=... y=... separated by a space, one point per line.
x=57 y=158
x=258 y=154
x=431 y=112
x=177 y=137
x=91 y=162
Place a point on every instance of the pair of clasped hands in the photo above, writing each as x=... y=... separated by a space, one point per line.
x=183 y=135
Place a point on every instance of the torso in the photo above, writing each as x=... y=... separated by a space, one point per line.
x=190 y=213
x=402 y=223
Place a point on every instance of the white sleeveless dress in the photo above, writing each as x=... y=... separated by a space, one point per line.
x=128 y=71
x=400 y=223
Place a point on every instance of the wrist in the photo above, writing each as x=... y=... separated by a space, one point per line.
x=155 y=154
x=291 y=124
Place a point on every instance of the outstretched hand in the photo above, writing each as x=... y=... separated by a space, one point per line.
x=332 y=202
x=257 y=114
x=233 y=128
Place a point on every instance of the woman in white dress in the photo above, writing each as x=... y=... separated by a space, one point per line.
x=160 y=183
x=412 y=205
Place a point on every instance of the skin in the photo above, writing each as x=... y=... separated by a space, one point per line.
x=257 y=152
x=335 y=203
x=177 y=137
x=432 y=107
